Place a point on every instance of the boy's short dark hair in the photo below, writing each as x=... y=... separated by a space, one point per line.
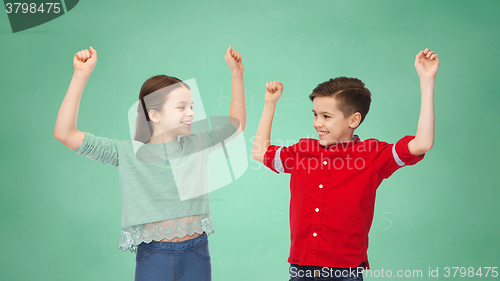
x=350 y=94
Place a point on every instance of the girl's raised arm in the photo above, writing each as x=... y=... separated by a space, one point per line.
x=65 y=129
x=237 y=107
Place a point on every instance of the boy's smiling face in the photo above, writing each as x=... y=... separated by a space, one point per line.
x=330 y=122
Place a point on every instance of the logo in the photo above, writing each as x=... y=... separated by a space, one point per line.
x=200 y=156
x=27 y=14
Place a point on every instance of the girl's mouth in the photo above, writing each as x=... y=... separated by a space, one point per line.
x=186 y=123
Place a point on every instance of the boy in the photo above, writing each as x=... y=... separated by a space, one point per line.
x=334 y=179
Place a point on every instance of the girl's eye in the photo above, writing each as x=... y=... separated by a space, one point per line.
x=181 y=107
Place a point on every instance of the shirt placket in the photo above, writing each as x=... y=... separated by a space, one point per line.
x=316 y=209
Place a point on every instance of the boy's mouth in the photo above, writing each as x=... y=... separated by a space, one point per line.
x=322 y=133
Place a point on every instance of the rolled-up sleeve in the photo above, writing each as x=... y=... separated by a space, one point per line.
x=280 y=159
x=390 y=157
x=99 y=149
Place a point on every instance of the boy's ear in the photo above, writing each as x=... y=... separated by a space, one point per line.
x=355 y=119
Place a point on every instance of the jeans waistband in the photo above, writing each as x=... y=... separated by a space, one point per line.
x=176 y=246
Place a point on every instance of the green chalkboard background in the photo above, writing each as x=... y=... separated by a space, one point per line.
x=60 y=212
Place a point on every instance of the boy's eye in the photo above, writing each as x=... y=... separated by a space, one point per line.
x=326 y=116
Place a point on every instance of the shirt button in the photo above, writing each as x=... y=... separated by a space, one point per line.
x=315 y=234
x=324 y=162
x=317 y=210
x=320 y=186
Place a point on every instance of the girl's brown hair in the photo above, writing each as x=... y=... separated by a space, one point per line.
x=350 y=94
x=155 y=101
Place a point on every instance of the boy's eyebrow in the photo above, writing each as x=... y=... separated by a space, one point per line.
x=323 y=112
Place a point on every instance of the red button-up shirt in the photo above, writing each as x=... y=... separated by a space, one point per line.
x=333 y=195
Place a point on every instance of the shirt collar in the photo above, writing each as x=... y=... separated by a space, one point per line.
x=342 y=144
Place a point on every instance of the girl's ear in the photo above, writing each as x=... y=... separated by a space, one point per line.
x=154 y=116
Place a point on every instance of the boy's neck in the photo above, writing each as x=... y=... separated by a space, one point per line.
x=352 y=139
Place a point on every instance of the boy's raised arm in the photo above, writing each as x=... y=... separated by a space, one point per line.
x=263 y=136
x=426 y=64
x=237 y=108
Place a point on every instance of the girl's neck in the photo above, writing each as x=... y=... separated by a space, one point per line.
x=156 y=139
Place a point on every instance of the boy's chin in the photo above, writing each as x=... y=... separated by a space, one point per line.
x=323 y=142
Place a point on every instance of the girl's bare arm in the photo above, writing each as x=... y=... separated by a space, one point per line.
x=237 y=108
x=65 y=129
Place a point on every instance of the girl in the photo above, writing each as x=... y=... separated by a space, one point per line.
x=168 y=233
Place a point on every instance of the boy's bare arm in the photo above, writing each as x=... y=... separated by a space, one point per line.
x=426 y=64
x=237 y=109
x=263 y=136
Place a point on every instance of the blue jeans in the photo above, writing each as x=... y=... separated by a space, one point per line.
x=310 y=273
x=185 y=260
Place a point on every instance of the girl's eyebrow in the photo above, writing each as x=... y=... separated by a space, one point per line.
x=184 y=102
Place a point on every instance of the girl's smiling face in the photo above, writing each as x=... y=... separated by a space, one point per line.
x=176 y=115
x=330 y=122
